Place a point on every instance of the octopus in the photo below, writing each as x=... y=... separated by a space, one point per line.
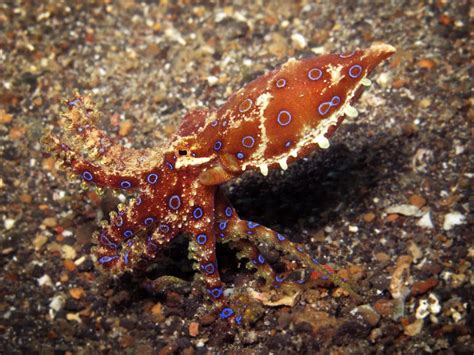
x=276 y=119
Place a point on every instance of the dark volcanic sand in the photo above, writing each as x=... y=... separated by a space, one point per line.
x=389 y=201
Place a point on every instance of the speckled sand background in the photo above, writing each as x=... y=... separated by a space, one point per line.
x=389 y=202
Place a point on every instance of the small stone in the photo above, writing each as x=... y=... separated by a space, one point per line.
x=369 y=217
x=9 y=223
x=26 y=198
x=77 y=292
x=207 y=319
x=193 y=329
x=414 y=251
x=417 y=200
x=69 y=265
x=50 y=222
x=391 y=217
x=368 y=313
x=385 y=307
x=453 y=219
x=421 y=287
x=404 y=210
x=427 y=64
x=125 y=127
x=5 y=117
x=39 y=241
x=68 y=252
x=56 y=304
x=299 y=40
x=212 y=80
x=414 y=328
x=45 y=280
x=425 y=221
x=382 y=257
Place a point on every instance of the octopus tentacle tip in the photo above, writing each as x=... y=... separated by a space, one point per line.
x=280 y=117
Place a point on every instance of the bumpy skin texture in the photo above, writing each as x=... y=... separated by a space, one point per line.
x=281 y=116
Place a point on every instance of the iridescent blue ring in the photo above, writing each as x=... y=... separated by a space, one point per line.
x=223 y=225
x=228 y=211
x=281 y=115
x=312 y=76
x=261 y=259
x=215 y=292
x=125 y=258
x=128 y=233
x=86 y=175
x=217 y=146
x=279 y=278
x=287 y=144
x=281 y=83
x=201 y=239
x=198 y=213
x=248 y=141
x=240 y=155
x=280 y=237
x=125 y=184
x=152 y=178
x=149 y=220
x=107 y=242
x=252 y=225
x=226 y=313
x=164 y=228
x=245 y=105
x=174 y=202
x=208 y=268
x=118 y=221
x=107 y=259
x=358 y=71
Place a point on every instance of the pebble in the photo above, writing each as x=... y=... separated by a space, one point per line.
x=368 y=313
x=68 y=252
x=9 y=223
x=385 y=307
x=45 y=280
x=453 y=219
x=5 y=117
x=50 y=222
x=56 y=304
x=299 y=40
x=369 y=217
x=425 y=221
x=39 y=241
x=421 y=287
x=414 y=328
x=404 y=210
x=77 y=292
x=417 y=200
x=427 y=64
x=193 y=329
x=398 y=285
x=125 y=127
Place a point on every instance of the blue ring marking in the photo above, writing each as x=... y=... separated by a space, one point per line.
x=288 y=119
x=208 y=268
x=149 y=220
x=107 y=242
x=152 y=178
x=215 y=292
x=73 y=102
x=281 y=83
x=198 y=213
x=279 y=278
x=315 y=261
x=280 y=237
x=169 y=165
x=107 y=259
x=138 y=201
x=300 y=282
x=128 y=233
x=252 y=225
x=222 y=235
x=174 y=202
x=226 y=313
x=337 y=99
x=125 y=258
x=238 y=320
x=240 y=155
x=125 y=184
x=261 y=259
x=164 y=228
x=324 y=277
x=287 y=144
x=130 y=242
x=358 y=69
x=214 y=123
x=350 y=54
x=228 y=211
x=300 y=248
x=217 y=146
x=118 y=221
x=313 y=77
x=86 y=175
x=247 y=144
x=248 y=103
x=201 y=239
x=223 y=225
x=323 y=111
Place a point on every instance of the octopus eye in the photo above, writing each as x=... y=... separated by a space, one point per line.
x=182 y=152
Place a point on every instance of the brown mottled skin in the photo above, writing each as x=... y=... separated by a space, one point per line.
x=280 y=117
